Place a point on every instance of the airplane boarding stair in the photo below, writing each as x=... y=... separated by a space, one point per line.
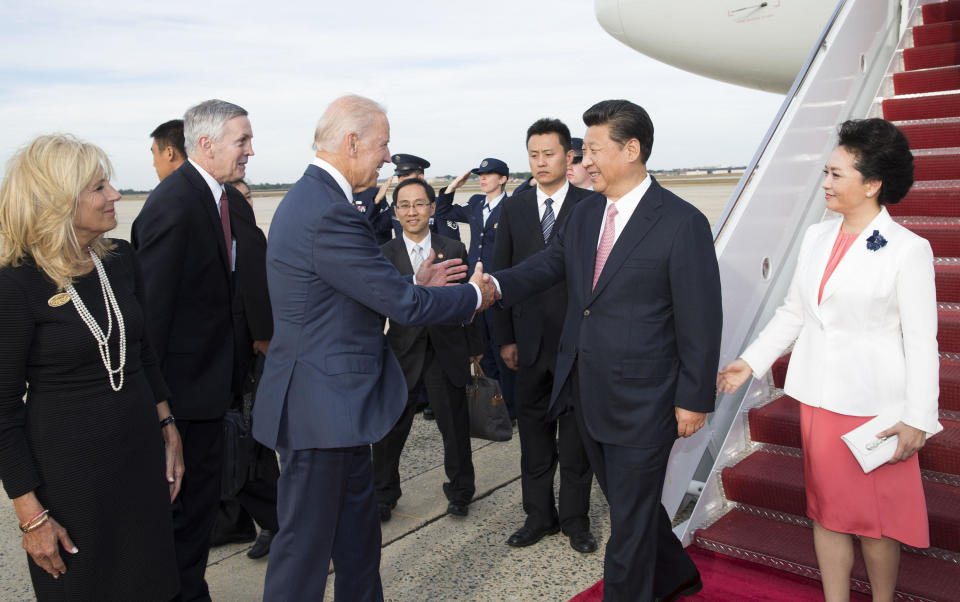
x=761 y=516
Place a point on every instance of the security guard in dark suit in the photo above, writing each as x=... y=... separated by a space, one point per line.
x=482 y=212
x=412 y=166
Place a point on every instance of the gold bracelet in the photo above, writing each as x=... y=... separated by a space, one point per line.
x=35 y=522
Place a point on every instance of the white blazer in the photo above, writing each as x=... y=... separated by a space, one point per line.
x=871 y=344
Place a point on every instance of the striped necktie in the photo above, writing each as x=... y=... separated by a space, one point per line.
x=546 y=224
x=416 y=257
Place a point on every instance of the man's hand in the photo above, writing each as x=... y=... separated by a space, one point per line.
x=458 y=182
x=488 y=290
x=508 y=353
x=689 y=422
x=382 y=193
x=475 y=359
x=261 y=347
x=440 y=274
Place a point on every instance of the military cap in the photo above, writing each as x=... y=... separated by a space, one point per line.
x=408 y=163
x=576 y=145
x=490 y=165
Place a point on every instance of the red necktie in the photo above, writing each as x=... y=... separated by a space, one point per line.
x=225 y=224
x=606 y=243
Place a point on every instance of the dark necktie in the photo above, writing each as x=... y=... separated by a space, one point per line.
x=225 y=224
x=486 y=212
x=546 y=224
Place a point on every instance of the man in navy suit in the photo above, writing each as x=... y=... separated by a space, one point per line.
x=528 y=334
x=187 y=236
x=482 y=212
x=640 y=345
x=331 y=385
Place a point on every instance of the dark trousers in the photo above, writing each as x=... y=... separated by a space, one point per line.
x=257 y=501
x=449 y=405
x=327 y=510
x=643 y=558
x=544 y=444
x=195 y=508
x=493 y=365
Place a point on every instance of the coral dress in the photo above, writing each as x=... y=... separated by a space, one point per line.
x=887 y=502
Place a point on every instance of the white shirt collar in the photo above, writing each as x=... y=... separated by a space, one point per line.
x=216 y=188
x=625 y=208
x=424 y=244
x=557 y=197
x=337 y=177
x=495 y=202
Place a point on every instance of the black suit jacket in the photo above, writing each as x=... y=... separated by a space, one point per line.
x=647 y=338
x=454 y=344
x=252 y=314
x=189 y=289
x=535 y=324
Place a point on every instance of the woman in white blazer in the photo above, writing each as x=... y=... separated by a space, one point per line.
x=861 y=312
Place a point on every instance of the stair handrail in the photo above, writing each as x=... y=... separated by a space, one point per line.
x=758 y=234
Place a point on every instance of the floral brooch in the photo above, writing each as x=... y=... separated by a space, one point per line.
x=875 y=242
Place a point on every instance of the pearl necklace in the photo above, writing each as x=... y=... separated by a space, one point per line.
x=103 y=340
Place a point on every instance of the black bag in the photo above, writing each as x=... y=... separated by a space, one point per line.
x=239 y=446
x=489 y=418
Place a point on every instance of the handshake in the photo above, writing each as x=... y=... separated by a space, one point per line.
x=452 y=271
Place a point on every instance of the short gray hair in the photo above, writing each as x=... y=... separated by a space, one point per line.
x=208 y=119
x=345 y=115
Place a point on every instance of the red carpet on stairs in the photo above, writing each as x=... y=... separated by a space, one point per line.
x=762 y=548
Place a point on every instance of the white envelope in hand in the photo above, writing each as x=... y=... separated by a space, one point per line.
x=870 y=451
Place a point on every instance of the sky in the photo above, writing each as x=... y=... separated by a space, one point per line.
x=460 y=81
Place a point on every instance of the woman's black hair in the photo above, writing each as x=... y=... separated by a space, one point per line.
x=881 y=153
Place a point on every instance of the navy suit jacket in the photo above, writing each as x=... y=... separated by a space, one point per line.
x=482 y=233
x=330 y=378
x=647 y=338
x=380 y=214
x=189 y=288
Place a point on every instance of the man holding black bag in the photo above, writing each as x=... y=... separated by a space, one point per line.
x=433 y=357
x=249 y=491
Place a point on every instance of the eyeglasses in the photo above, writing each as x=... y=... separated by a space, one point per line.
x=419 y=206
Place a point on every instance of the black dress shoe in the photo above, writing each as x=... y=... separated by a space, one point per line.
x=687 y=588
x=428 y=413
x=526 y=536
x=583 y=542
x=384 y=510
x=457 y=509
x=261 y=547
x=222 y=539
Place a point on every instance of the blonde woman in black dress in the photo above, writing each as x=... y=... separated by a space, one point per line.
x=90 y=471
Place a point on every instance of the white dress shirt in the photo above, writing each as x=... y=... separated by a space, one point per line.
x=411 y=246
x=337 y=177
x=217 y=190
x=489 y=206
x=625 y=208
x=557 y=197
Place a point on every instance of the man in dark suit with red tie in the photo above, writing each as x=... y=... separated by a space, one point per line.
x=528 y=335
x=640 y=345
x=186 y=238
x=436 y=358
